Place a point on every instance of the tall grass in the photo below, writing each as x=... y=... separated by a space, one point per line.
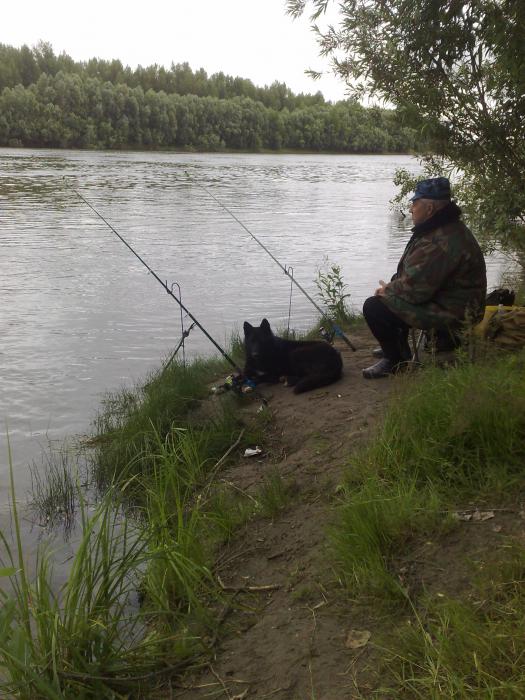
x=87 y=639
x=377 y=520
x=173 y=515
x=130 y=422
x=54 y=486
x=461 y=430
x=138 y=604
x=448 y=437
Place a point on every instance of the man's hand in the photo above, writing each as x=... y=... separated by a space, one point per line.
x=380 y=291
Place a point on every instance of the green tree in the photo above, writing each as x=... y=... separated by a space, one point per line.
x=45 y=59
x=455 y=69
x=75 y=105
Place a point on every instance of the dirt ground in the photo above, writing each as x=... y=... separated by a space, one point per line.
x=289 y=641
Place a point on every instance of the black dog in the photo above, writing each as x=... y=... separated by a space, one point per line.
x=305 y=364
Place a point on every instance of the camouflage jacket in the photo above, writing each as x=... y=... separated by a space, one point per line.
x=441 y=278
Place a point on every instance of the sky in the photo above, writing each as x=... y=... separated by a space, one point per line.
x=253 y=39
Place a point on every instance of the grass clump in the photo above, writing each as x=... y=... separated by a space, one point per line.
x=131 y=423
x=87 y=639
x=54 y=487
x=228 y=509
x=468 y=648
x=172 y=517
x=448 y=437
x=462 y=431
x=138 y=605
x=374 y=523
x=274 y=494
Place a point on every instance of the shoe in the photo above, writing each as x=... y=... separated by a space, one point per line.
x=401 y=348
x=383 y=368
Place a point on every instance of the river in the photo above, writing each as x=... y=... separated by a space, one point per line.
x=80 y=315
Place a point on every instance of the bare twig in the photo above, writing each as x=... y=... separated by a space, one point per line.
x=228 y=451
x=223 y=684
x=241 y=696
x=278 y=554
x=272 y=692
x=485 y=508
x=225 y=561
x=314 y=628
x=248 y=589
x=237 y=488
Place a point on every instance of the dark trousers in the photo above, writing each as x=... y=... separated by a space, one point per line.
x=390 y=331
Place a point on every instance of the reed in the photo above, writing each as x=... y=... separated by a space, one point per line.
x=54 y=486
x=88 y=638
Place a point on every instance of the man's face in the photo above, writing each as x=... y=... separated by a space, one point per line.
x=421 y=210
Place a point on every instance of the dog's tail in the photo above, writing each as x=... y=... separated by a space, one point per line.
x=314 y=381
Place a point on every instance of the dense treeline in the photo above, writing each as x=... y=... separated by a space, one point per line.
x=52 y=101
x=24 y=66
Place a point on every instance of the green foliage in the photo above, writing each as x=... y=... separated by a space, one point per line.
x=139 y=599
x=274 y=494
x=54 y=487
x=130 y=423
x=53 y=101
x=467 y=649
x=455 y=71
x=447 y=438
x=375 y=521
x=333 y=295
x=88 y=639
x=24 y=66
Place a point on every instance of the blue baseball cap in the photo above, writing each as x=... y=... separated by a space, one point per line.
x=433 y=188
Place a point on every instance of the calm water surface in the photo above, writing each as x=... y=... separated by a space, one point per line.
x=80 y=315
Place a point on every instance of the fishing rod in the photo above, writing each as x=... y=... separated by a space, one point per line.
x=152 y=272
x=335 y=327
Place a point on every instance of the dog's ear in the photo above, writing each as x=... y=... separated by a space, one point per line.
x=248 y=328
x=265 y=326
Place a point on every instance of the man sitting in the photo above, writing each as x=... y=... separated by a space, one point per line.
x=440 y=282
